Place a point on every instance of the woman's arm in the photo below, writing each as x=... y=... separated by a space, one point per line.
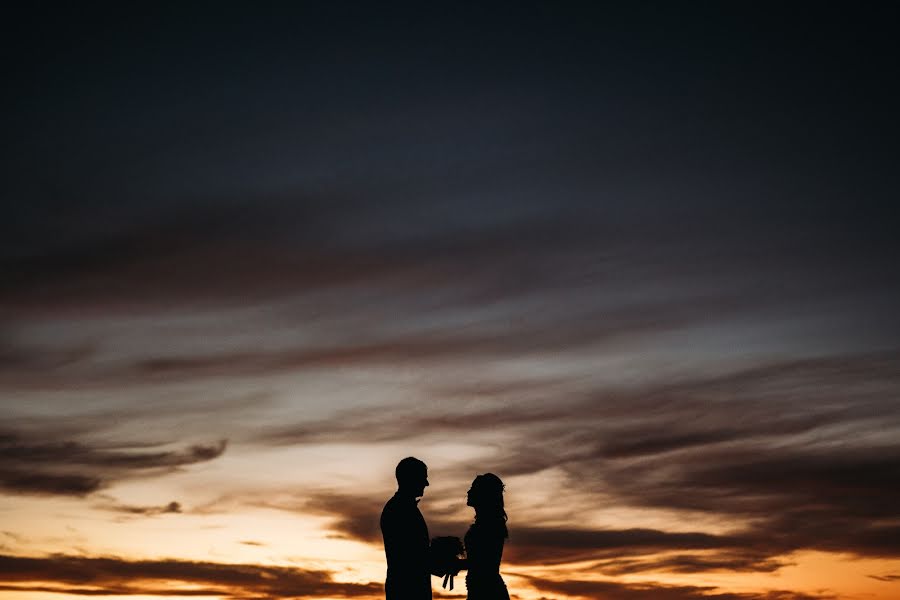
x=485 y=557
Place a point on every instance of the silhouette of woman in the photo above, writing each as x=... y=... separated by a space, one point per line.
x=484 y=540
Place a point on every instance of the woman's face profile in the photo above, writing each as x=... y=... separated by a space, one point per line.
x=471 y=495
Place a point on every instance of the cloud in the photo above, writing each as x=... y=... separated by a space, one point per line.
x=887 y=578
x=176 y=257
x=440 y=233
x=826 y=498
x=75 y=468
x=148 y=511
x=773 y=401
x=17 y=450
x=391 y=423
x=613 y=590
x=21 y=482
x=349 y=516
x=802 y=453
x=490 y=291
x=356 y=517
x=353 y=517
x=792 y=455
x=795 y=454
x=114 y=576
x=553 y=545
x=374 y=336
x=737 y=560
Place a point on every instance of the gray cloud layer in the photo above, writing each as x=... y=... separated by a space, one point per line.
x=796 y=455
x=73 y=468
x=619 y=591
x=83 y=576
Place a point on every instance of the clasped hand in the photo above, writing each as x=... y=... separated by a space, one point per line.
x=444 y=553
x=448 y=577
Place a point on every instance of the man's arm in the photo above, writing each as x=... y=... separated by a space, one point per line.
x=402 y=543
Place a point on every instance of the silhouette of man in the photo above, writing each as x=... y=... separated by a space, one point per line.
x=406 y=535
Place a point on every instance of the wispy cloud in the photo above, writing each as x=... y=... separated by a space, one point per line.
x=555 y=545
x=30 y=465
x=529 y=285
x=620 y=551
x=614 y=590
x=736 y=560
x=794 y=455
x=890 y=578
x=97 y=576
x=110 y=504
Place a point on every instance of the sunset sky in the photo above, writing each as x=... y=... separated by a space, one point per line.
x=637 y=259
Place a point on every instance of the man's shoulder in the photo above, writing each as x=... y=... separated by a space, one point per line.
x=391 y=507
x=399 y=507
x=391 y=503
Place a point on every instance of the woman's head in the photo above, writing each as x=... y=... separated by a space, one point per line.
x=486 y=497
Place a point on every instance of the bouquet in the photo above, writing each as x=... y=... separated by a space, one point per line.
x=443 y=555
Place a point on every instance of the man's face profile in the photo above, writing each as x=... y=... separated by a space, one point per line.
x=412 y=476
x=420 y=483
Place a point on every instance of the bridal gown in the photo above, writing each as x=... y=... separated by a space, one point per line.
x=484 y=548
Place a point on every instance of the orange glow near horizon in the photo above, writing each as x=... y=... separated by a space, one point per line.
x=274 y=527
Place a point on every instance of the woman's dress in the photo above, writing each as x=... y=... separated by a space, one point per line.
x=484 y=549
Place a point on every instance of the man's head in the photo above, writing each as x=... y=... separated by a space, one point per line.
x=412 y=477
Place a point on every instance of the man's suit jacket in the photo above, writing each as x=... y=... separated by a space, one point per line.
x=406 y=547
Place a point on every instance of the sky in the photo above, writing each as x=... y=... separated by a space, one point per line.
x=637 y=259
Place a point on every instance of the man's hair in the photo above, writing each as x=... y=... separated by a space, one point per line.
x=409 y=469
